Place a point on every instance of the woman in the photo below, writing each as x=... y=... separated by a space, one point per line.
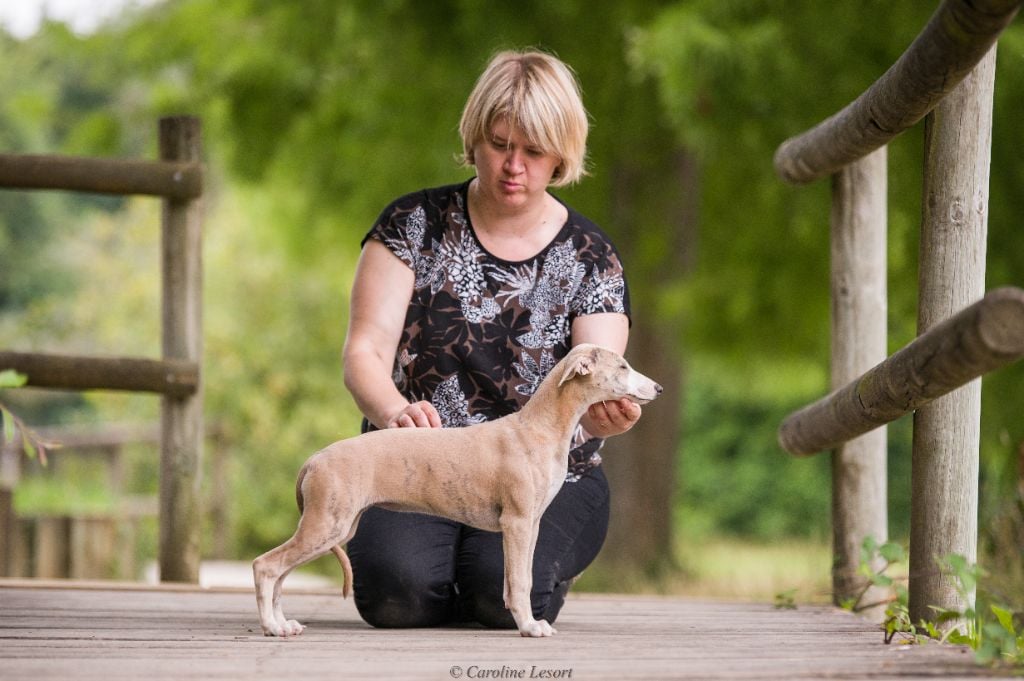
x=464 y=298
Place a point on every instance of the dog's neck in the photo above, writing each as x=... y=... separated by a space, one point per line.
x=558 y=407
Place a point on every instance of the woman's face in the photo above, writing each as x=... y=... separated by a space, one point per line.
x=510 y=170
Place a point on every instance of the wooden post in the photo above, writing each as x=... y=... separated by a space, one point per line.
x=7 y=529
x=859 y=303
x=52 y=547
x=182 y=417
x=92 y=543
x=944 y=480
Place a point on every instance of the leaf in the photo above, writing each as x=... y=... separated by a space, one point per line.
x=29 y=447
x=786 y=600
x=892 y=552
x=881 y=580
x=958 y=638
x=867 y=550
x=1005 y=618
x=6 y=427
x=945 y=614
x=9 y=378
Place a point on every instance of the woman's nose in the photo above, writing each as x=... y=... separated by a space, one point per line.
x=513 y=160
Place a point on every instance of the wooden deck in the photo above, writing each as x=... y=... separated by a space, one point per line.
x=104 y=631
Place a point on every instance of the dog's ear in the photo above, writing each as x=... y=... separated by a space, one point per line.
x=578 y=366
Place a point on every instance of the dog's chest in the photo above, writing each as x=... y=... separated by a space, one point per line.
x=556 y=480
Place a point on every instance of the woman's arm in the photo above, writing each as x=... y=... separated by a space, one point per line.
x=609 y=330
x=380 y=297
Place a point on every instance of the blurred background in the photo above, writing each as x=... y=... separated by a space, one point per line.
x=317 y=113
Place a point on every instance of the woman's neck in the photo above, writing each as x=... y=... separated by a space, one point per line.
x=515 y=234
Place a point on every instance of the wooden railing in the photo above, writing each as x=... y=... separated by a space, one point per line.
x=177 y=178
x=946 y=76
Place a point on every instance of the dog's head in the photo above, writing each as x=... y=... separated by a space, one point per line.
x=608 y=373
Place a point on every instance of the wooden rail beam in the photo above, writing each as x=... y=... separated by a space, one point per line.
x=181 y=180
x=981 y=338
x=955 y=39
x=67 y=372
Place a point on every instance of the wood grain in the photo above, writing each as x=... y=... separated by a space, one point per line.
x=110 y=634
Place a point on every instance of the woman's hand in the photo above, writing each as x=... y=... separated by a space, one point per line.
x=613 y=417
x=416 y=415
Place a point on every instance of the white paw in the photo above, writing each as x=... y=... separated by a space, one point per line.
x=293 y=628
x=537 y=629
x=288 y=628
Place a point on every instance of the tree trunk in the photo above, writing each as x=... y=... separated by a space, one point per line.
x=641 y=464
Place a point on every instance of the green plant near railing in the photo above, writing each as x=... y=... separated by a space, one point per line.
x=12 y=427
x=993 y=641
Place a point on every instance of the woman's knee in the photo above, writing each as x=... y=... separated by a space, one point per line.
x=395 y=598
x=403 y=569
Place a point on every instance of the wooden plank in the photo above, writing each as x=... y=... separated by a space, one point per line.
x=68 y=372
x=859 y=334
x=947 y=432
x=955 y=39
x=182 y=634
x=102 y=176
x=981 y=338
x=182 y=339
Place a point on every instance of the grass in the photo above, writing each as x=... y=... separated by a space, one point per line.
x=732 y=569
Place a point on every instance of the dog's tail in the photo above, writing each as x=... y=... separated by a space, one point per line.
x=346 y=567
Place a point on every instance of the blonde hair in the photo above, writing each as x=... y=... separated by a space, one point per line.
x=538 y=94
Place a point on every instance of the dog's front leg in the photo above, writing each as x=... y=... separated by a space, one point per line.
x=518 y=541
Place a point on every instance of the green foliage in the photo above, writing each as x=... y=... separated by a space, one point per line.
x=734 y=477
x=317 y=113
x=992 y=634
x=9 y=378
x=786 y=600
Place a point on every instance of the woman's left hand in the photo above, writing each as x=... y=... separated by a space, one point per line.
x=613 y=417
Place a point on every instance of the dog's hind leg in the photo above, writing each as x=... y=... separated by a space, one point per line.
x=312 y=539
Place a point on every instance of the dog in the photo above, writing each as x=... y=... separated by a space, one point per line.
x=499 y=476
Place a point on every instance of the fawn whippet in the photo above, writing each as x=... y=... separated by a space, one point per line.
x=499 y=476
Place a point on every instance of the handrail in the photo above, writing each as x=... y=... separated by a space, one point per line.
x=981 y=338
x=957 y=36
x=176 y=180
x=173 y=377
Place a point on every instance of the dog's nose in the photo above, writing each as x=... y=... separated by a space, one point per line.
x=657 y=388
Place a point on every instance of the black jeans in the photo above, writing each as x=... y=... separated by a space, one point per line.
x=415 y=570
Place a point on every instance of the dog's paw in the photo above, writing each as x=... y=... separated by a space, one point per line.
x=537 y=629
x=293 y=628
x=283 y=629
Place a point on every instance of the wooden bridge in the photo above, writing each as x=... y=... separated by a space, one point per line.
x=85 y=631
x=98 y=631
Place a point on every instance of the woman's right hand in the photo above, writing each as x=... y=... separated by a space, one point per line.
x=416 y=415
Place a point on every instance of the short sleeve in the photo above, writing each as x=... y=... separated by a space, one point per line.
x=603 y=288
x=401 y=227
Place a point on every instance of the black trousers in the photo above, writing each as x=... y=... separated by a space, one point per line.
x=414 y=570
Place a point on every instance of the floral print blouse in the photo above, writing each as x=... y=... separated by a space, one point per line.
x=481 y=332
